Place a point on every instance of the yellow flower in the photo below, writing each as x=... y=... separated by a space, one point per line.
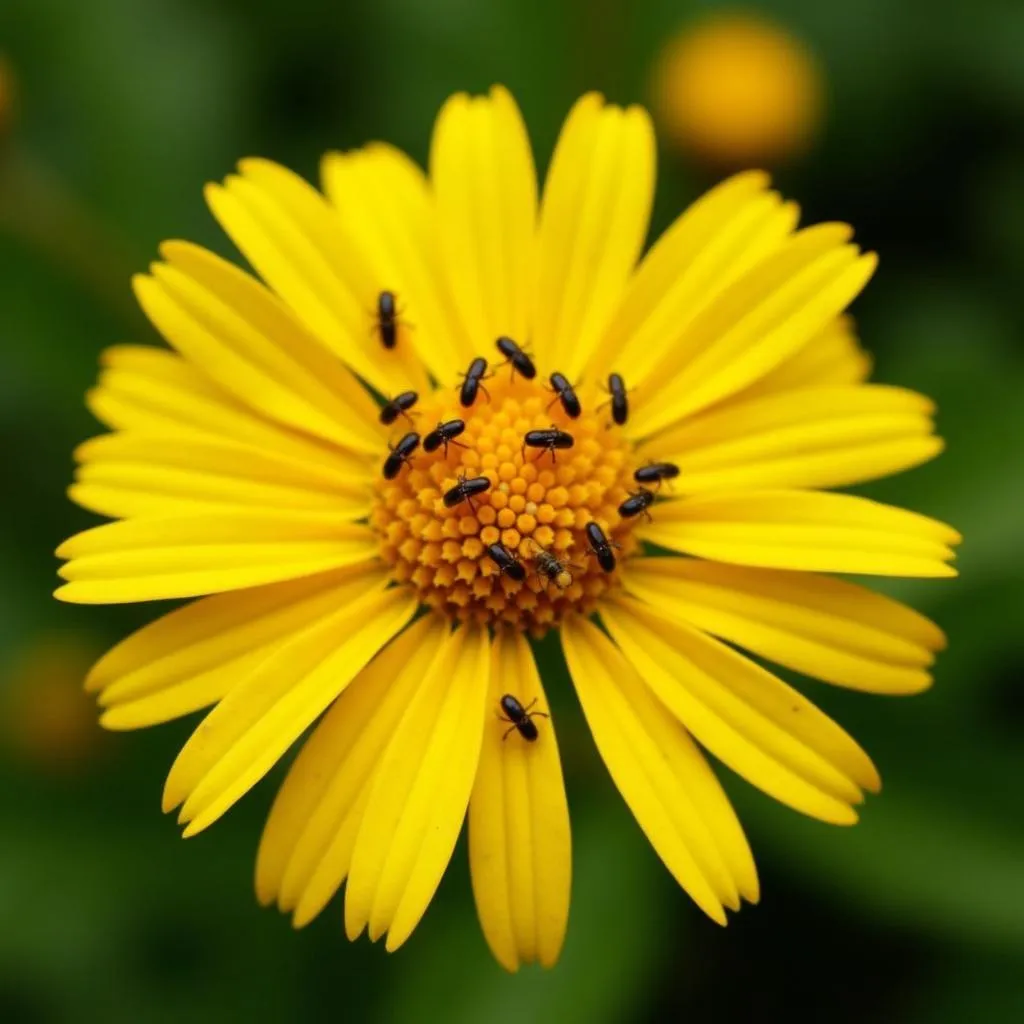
x=738 y=90
x=248 y=464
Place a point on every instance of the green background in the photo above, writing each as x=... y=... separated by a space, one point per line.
x=917 y=915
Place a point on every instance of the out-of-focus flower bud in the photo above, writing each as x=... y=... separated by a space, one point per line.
x=7 y=97
x=48 y=719
x=736 y=90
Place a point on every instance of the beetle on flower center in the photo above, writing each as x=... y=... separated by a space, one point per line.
x=538 y=511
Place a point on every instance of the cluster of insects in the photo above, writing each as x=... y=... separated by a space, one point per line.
x=547 y=441
x=550 y=568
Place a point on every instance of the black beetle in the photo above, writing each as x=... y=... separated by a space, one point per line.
x=400 y=454
x=473 y=381
x=521 y=362
x=444 y=434
x=465 y=490
x=567 y=393
x=520 y=717
x=398 y=406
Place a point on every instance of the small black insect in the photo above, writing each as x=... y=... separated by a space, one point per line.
x=567 y=393
x=618 y=400
x=601 y=546
x=398 y=406
x=547 y=440
x=637 y=503
x=520 y=717
x=521 y=362
x=465 y=490
x=400 y=454
x=387 y=319
x=656 y=472
x=473 y=381
x=444 y=434
x=507 y=562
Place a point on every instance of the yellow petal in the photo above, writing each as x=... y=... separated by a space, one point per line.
x=661 y=775
x=326 y=467
x=760 y=727
x=829 y=437
x=388 y=209
x=832 y=358
x=186 y=556
x=153 y=391
x=764 y=317
x=143 y=367
x=242 y=738
x=593 y=221
x=307 y=843
x=485 y=184
x=212 y=335
x=193 y=656
x=827 y=628
x=419 y=794
x=805 y=530
x=728 y=230
x=136 y=474
x=300 y=247
x=519 y=841
x=265 y=332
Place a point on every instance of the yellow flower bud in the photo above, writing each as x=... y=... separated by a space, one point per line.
x=737 y=90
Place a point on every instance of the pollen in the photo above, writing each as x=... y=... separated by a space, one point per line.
x=538 y=505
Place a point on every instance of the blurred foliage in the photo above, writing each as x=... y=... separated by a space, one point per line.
x=124 y=109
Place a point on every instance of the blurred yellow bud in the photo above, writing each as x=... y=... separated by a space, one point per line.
x=737 y=90
x=48 y=719
x=6 y=96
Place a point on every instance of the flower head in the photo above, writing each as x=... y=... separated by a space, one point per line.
x=453 y=416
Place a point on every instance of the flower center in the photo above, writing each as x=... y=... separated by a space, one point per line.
x=536 y=504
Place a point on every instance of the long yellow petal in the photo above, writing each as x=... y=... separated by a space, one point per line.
x=832 y=358
x=135 y=474
x=300 y=247
x=519 y=841
x=154 y=391
x=726 y=231
x=242 y=738
x=593 y=221
x=388 y=209
x=485 y=185
x=307 y=843
x=756 y=323
x=829 y=437
x=265 y=332
x=805 y=530
x=763 y=729
x=661 y=775
x=823 y=627
x=420 y=793
x=186 y=556
x=202 y=330
x=193 y=656
x=326 y=467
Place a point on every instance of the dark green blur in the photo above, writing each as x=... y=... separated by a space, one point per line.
x=126 y=107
